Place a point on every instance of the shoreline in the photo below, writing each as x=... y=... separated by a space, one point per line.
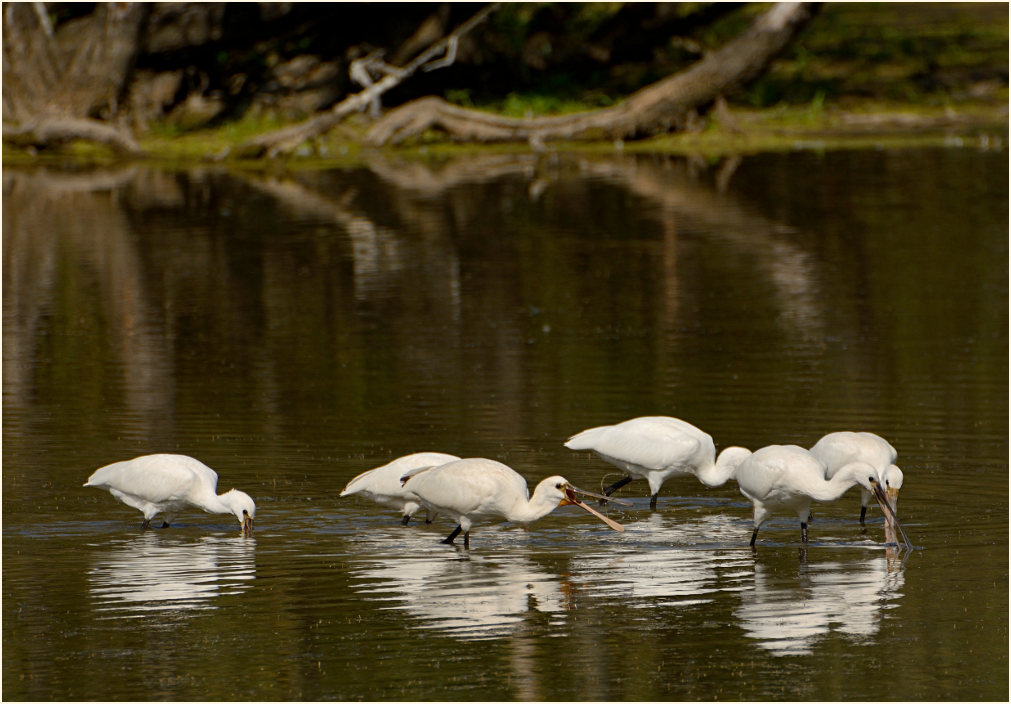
x=728 y=132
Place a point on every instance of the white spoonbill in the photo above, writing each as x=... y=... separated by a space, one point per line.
x=788 y=477
x=476 y=488
x=657 y=448
x=166 y=484
x=383 y=486
x=836 y=450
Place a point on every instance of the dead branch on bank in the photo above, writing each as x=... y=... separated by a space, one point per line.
x=667 y=105
x=440 y=54
x=46 y=132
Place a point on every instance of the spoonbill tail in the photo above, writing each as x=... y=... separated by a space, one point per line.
x=657 y=448
x=477 y=488
x=166 y=484
x=788 y=477
x=383 y=485
x=836 y=450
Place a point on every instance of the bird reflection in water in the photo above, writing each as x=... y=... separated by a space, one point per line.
x=675 y=564
x=151 y=572
x=788 y=613
x=469 y=598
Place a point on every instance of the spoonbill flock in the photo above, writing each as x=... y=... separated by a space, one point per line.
x=776 y=478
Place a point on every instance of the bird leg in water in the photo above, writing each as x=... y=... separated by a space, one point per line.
x=803 y=532
x=452 y=536
x=146 y=524
x=614 y=487
x=754 y=537
x=652 y=502
x=164 y=524
x=405 y=520
x=863 y=515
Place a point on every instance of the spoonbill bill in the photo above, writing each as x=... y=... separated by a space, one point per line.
x=788 y=477
x=836 y=450
x=657 y=448
x=476 y=488
x=166 y=484
x=383 y=486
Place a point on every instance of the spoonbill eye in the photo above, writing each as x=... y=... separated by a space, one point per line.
x=872 y=480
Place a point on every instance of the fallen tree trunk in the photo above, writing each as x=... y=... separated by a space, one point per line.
x=667 y=105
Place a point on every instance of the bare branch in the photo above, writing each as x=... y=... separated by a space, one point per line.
x=285 y=140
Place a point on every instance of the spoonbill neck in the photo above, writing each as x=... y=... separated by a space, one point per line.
x=537 y=507
x=719 y=472
x=849 y=476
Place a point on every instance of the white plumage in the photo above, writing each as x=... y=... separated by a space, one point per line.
x=383 y=484
x=477 y=488
x=836 y=450
x=788 y=477
x=166 y=484
x=657 y=448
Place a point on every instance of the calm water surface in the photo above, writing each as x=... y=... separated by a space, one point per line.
x=293 y=330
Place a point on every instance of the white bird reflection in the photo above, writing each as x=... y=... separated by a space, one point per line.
x=467 y=598
x=787 y=614
x=154 y=573
x=670 y=567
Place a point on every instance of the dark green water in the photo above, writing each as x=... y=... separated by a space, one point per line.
x=293 y=331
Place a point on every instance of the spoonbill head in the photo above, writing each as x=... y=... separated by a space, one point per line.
x=656 y=448
x=383 y=484
x=478 y=488
x=893 y=482
x=166 y=484
x=788 y=478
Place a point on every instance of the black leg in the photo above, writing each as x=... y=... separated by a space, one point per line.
x=466 y=540
x=146 y=524
x=164 y=524
x=803 y=532
x=652 y=502
x=863 y=514
x=754 y=536
x=614 y=487
x=406 y=519
x=452 y=536
x=617 y=485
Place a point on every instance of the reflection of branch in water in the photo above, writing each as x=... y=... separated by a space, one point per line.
x=677 y=199
x=757 y=241
x=435 y=181
x=378 y=252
